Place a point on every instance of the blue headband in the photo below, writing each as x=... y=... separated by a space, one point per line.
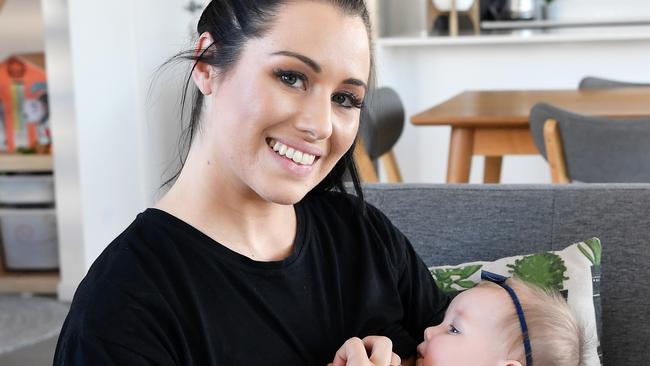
x=501 y=281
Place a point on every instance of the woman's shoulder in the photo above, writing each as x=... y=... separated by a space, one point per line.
x=347 y=206
x=359 y=231
x=129 y=265
x=122 y=281
x=346 y=213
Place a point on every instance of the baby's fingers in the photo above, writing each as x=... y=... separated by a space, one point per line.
x=380 y=350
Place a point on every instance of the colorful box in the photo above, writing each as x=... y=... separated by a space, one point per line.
x=24 y=108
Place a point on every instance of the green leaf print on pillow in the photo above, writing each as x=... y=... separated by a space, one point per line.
x=544 y=269
x=446 y=278
x=595 y=250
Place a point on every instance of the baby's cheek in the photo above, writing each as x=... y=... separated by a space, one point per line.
x=437 y=352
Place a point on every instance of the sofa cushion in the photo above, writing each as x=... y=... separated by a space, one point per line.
x=574 y=271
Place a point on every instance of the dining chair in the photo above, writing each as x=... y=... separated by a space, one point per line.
x=589 y=149
x=592 y=82
x=382 y=122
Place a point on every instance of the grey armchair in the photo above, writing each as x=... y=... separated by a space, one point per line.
x=591 y=150
x=381 y=126
x=592 y=82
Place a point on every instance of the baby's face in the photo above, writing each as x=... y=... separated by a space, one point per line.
x=471 y=333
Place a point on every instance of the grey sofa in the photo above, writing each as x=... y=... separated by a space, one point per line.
x=450 y=224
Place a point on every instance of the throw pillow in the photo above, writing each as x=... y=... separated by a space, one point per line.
x=573 y=271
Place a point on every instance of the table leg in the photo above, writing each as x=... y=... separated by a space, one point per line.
x=460 y=154
x=492 y=171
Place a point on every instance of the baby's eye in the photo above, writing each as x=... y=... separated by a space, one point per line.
x=453 y=330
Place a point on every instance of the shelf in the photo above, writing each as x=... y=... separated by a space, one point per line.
x=35 y=282
x=25 y=163
x=528 y=24
x=25 y=281
x=612 y=34
x=38 y=282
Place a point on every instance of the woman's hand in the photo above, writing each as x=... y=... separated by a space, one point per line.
x=371 y=351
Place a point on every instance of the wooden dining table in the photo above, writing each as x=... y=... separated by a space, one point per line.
x=495 y=123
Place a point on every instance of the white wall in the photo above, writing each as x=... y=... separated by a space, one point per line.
x=65 y=149
x=112 y=137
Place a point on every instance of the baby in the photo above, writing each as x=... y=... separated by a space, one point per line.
x=487 y=324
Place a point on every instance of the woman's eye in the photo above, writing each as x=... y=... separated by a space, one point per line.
x=292 y=79
x=453 y=330
x=347 y=100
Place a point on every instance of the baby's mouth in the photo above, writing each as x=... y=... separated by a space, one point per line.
x=420 y=350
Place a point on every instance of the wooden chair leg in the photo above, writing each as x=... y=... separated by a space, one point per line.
x=555 y=152
x=367 y=172
x=475 y=15
x=453 y=20
x=389 y=163
x=492 y=171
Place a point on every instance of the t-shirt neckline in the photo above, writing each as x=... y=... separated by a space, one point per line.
x=224 y=253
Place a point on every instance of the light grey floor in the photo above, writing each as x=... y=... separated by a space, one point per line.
x=29 y=329
x=39 y=354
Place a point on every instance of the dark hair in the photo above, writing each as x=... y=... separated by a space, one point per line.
x=231 y=23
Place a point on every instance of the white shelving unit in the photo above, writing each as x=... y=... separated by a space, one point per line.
x=44 y=282
x=26 y=15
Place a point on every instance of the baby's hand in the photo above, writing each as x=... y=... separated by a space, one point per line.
x=355 y=351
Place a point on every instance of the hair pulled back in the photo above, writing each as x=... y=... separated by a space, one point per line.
x=231 y=23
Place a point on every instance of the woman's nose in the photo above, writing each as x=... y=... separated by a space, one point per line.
x=316 y=118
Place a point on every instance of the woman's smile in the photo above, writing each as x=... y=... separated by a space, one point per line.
x=293 y=153
x=293 y=160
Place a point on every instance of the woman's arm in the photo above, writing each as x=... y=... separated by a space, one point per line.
x=91 y=350
x=424 y=304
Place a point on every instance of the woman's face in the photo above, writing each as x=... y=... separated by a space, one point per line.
x=472 y=333
x=297 y=90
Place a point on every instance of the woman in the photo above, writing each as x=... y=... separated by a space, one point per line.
x=252 y=257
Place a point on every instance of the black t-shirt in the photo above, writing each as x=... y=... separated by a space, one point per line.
x=164 y=293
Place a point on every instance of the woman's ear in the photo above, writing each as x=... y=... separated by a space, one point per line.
x=511 y=363
x=203 y=73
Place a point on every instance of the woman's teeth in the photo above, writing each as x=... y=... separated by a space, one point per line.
x=297 y=156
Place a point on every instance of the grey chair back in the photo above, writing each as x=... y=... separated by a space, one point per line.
x=592 y=82
x=382 y=122
x=597 y=150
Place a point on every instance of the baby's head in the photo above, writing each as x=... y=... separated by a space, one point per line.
x=481 y=327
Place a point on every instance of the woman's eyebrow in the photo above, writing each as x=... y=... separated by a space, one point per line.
x=358 y=82
x=316 y=67
x=309 y=62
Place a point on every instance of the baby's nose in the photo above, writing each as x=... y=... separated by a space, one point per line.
x=428 y=333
